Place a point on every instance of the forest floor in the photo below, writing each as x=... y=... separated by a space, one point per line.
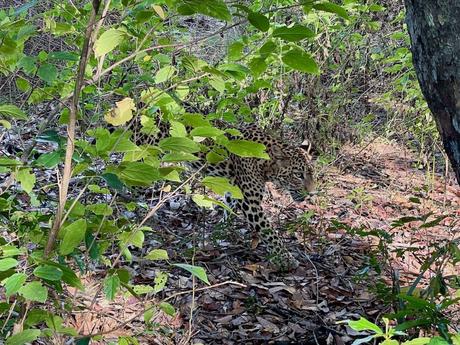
x=247 y=302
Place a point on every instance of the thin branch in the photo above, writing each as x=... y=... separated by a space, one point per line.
x=67 y=170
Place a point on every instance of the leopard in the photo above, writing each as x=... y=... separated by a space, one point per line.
x=289 y=167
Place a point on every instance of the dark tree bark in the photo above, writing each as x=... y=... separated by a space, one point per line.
x=434 y=29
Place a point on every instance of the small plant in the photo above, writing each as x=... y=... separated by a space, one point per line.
x=390 y=332
x=360 y=198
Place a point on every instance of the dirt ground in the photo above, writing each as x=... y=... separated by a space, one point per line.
x=249 y=303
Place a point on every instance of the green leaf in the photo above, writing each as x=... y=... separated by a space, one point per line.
x=221 y=185
x=47 y=73
x=268 y=48
x=66 y=56
x=293 y=34
x=100 y=209
x=113 y=181
x=140 y=174
x=301 y=61
x=213 y=8
x=48 y=272
x=247 y=148
x=235 y=50
x=179 y=157
x=332 y=8
x=417 y=341
x=26 y=179
x=217 y=83
x=259 y=21
x=164 y=74
x=206 y=131
x=49 y=160
x=68 y=276
x=135 y=237
x=207 y=202
x=11 y=110
x=74 y=234
x=179 y=144
x=13 y=283
x=167 y=308
x=160 y=281
x=34 y=291
x=27 y=336
x=108 y=41
x=177 y=129
x=364 y=325
x=157 y=254
x=111 y=286
x=196 y=271
x=6 y=264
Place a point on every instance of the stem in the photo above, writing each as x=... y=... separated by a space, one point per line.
x=67 y=170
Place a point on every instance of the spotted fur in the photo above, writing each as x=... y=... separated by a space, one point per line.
x=289 y=168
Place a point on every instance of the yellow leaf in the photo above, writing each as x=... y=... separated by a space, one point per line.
x=159 y=10
x=122 y=113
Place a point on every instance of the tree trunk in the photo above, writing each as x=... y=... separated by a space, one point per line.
x=434 y=29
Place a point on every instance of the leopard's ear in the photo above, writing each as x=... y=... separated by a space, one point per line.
x=306 y=145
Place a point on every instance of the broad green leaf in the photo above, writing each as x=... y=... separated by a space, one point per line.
x=247 y=148
x=196 y=271
x=235 y=50
x=5 y=124
x=122 y=113
x=438 y=341
x=108 y=41
x=111 y=286
x=24 y=337
x=179 y=144
x=14 y=283
x=9 y=250
x=157 y=254
x=390 y=342
x=26 y=179
x=301 y=61
x=100 y=209
x=159 y=10
x=6 y=264
x=74 y=234
x=66 y=56
x=456 y=338
x=268 y=48
x=22 y=84
x=13 y=111
x=68 y=276
x=332 y=8
x=179 y=157
x=364 y=325
x=164 y=74
x=207 y=202
x=259 y=21
x=140 y=174
x=293 y=34
x=177 y=129
x=48 y=272
x=221 y=185
x=49 y=160
x=136 y=238
x=213 y=8
x=167 y=308
x=206 y=131
x=418 y=341
x=47 y=73
x=217 y=83
x=34 y=291
x=113 y=181
x=160 y=281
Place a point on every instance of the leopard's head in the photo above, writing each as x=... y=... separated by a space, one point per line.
x=292 y=169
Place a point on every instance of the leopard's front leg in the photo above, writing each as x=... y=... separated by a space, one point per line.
x=251 y=206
